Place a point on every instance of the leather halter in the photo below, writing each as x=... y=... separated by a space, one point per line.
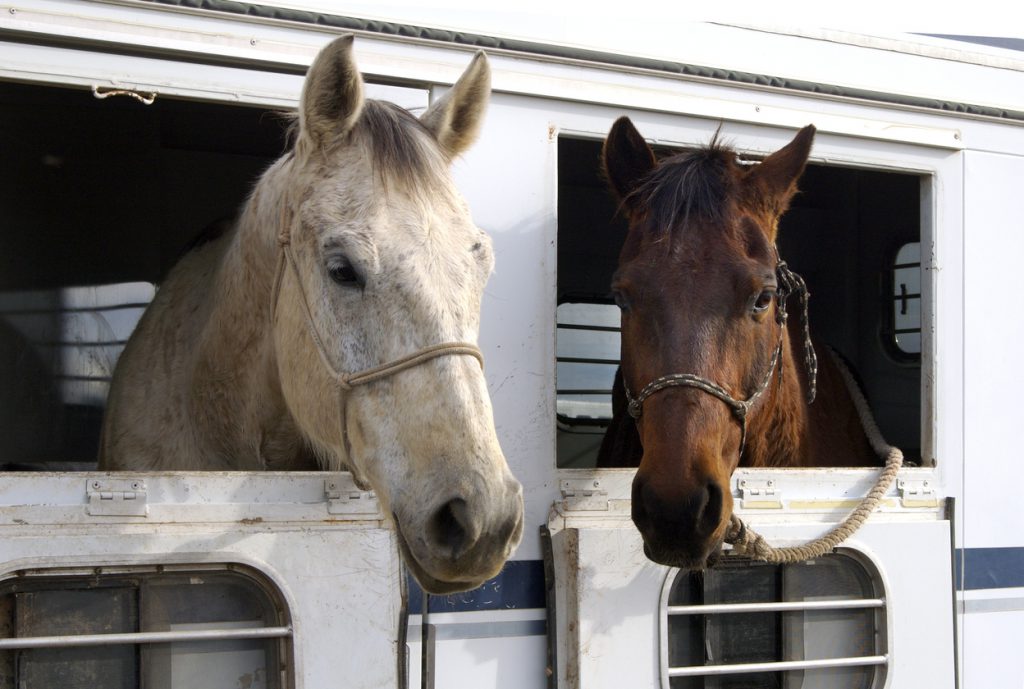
x=788 y=283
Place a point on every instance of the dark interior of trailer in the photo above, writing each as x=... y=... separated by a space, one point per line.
x=98 y=199
x=852 y=233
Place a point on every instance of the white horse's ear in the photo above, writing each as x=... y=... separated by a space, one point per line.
x=332 y=96
x=455 y=118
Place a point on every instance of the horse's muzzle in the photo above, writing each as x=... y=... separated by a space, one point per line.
x=464 y=541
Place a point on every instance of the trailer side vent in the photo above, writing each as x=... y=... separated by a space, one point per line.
x=818 y=624
x=167 y=627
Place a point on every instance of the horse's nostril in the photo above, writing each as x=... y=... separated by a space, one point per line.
x=448 y=528
x=712 y=510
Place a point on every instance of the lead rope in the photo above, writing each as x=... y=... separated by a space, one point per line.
x=746 y=542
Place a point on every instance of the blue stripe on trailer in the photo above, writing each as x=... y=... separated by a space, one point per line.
x=519 y=585
x=989 y=568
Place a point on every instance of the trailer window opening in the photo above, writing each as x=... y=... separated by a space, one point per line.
x=99 y=199
x=154 y=627
x=819 y=623
x=839 y=234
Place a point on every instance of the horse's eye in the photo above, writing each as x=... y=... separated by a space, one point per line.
x=763 y=301
x=342 y=272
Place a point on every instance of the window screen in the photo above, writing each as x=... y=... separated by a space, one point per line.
x=812 y=625
x=158 y=629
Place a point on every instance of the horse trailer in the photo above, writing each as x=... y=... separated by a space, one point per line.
x=130 y=125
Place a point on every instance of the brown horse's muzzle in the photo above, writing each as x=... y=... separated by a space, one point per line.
x=683 y=526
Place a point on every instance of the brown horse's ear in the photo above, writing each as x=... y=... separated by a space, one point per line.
x=332 y=96
x=777 y=175
x=456 y=117
x=627 y=157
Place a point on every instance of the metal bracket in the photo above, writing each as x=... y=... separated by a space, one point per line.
x=117 y=497
x=584 y=494
x=916 y=493
x=760 y=494
x=344 y=497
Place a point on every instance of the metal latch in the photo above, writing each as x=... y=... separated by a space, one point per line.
x=760 y=494
x=584 y=494
x=344 y=497
x=117 y=497
x=916 y=493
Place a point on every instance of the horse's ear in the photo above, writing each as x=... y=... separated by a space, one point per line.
x=777 y=175
x=456 y=117
x=627 y=157
x=332 y=96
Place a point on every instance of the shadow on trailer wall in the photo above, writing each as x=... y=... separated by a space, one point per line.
x=853 y=234
x=98 y=199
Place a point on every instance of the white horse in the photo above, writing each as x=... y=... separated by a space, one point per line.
x=335 y=325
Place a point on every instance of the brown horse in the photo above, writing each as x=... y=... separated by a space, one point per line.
x=711 y=377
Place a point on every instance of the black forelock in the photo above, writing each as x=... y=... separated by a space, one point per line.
x=690 y=186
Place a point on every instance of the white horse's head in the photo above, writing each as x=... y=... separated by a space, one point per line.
x=389 y=262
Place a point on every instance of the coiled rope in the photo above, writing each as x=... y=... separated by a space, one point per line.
x=746 y=542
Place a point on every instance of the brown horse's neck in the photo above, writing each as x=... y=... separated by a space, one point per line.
x=777 y=432
x=788 y=432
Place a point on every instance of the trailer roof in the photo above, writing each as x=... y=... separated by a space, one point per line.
x=791 y=67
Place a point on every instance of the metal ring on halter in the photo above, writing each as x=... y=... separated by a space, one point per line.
x=789 y=282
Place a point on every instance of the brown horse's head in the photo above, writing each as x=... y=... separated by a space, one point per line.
x=697 y=285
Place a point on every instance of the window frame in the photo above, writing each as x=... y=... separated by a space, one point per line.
x=140 y=577
x=882 y=624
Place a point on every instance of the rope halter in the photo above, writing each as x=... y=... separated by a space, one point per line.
x=348 y=380
x=788 y=283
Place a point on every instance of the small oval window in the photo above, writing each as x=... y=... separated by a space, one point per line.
x=905 y=329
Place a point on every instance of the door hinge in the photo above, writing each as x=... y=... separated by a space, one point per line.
x=759 y=494
x=917 y=493
x=117 y=497
x=345 y=497
x=584 y=494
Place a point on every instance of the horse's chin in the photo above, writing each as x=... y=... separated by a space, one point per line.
x=429 y=583
x=684 y=560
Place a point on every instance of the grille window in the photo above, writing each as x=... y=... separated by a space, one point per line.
x=164 y=628
x=587 y=356
x=812 y=625
x=58 y=348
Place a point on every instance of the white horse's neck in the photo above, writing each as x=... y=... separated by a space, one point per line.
x=245 y=382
